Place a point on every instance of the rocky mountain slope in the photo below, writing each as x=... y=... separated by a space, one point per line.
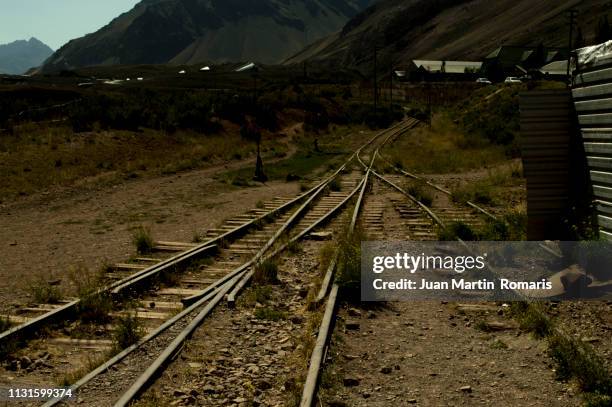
x=19 y=56
x=450 y=29
x=194 y=31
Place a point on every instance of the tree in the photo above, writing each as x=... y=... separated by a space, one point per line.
x=250 y=131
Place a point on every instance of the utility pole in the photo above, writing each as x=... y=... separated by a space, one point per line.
x=375 y=79
x=572 y=17
x=391 y=87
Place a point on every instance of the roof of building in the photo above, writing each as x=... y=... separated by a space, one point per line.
x=555 y=68
x=449 y=66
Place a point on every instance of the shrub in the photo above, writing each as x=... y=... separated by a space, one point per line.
x=535 y=320
x=95 y=308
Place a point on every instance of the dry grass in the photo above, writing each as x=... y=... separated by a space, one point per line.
x=38 y=156
x=89 y=364
x=442 y=149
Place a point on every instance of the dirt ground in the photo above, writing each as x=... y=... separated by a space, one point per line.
x=46 y=235
x=427 y=354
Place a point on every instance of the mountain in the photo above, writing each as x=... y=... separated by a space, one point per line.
x=19 y=56
x=193 y=31
x=449 y=30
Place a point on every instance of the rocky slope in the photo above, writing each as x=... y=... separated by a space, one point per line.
x=193 y=31
x=450 y=29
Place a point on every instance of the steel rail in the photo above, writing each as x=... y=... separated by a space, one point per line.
x=68 y=310
x=224 y=284
x=329 y=273
x=318 y=353
x=230 y=281
x=159 y=364
x=431 y=184
x=231 y=298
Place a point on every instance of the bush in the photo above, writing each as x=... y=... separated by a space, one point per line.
x=535 y=321
x=95 y=308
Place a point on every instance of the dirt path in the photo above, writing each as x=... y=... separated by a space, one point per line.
x=430 y=354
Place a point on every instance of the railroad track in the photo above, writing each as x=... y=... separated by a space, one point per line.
x=389 y=212
x=171 y=304
x=171 y=312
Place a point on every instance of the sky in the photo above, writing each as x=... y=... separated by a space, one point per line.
x=55 y=22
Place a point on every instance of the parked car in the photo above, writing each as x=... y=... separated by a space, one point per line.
x=512 y=79
x=484 y=81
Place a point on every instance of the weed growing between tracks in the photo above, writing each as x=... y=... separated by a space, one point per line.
x=143 y=240
x=492 y=189
x=418 y=190
x=44 y=291
x=128 y=331
x=510 y=227
x=349 y=265
x=266 y=272
x=5 y=324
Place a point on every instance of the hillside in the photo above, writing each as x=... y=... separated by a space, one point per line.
x=19 y=56
x=193 y=31
x=449 y=29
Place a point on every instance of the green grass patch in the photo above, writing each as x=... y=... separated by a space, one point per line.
x=95 y=305
x=498 y=344
x=259 y=294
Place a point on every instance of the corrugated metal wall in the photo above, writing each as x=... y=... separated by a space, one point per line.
x=592 y=93
x=546 y=128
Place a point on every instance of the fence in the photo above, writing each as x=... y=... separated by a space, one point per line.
x=592 y=93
